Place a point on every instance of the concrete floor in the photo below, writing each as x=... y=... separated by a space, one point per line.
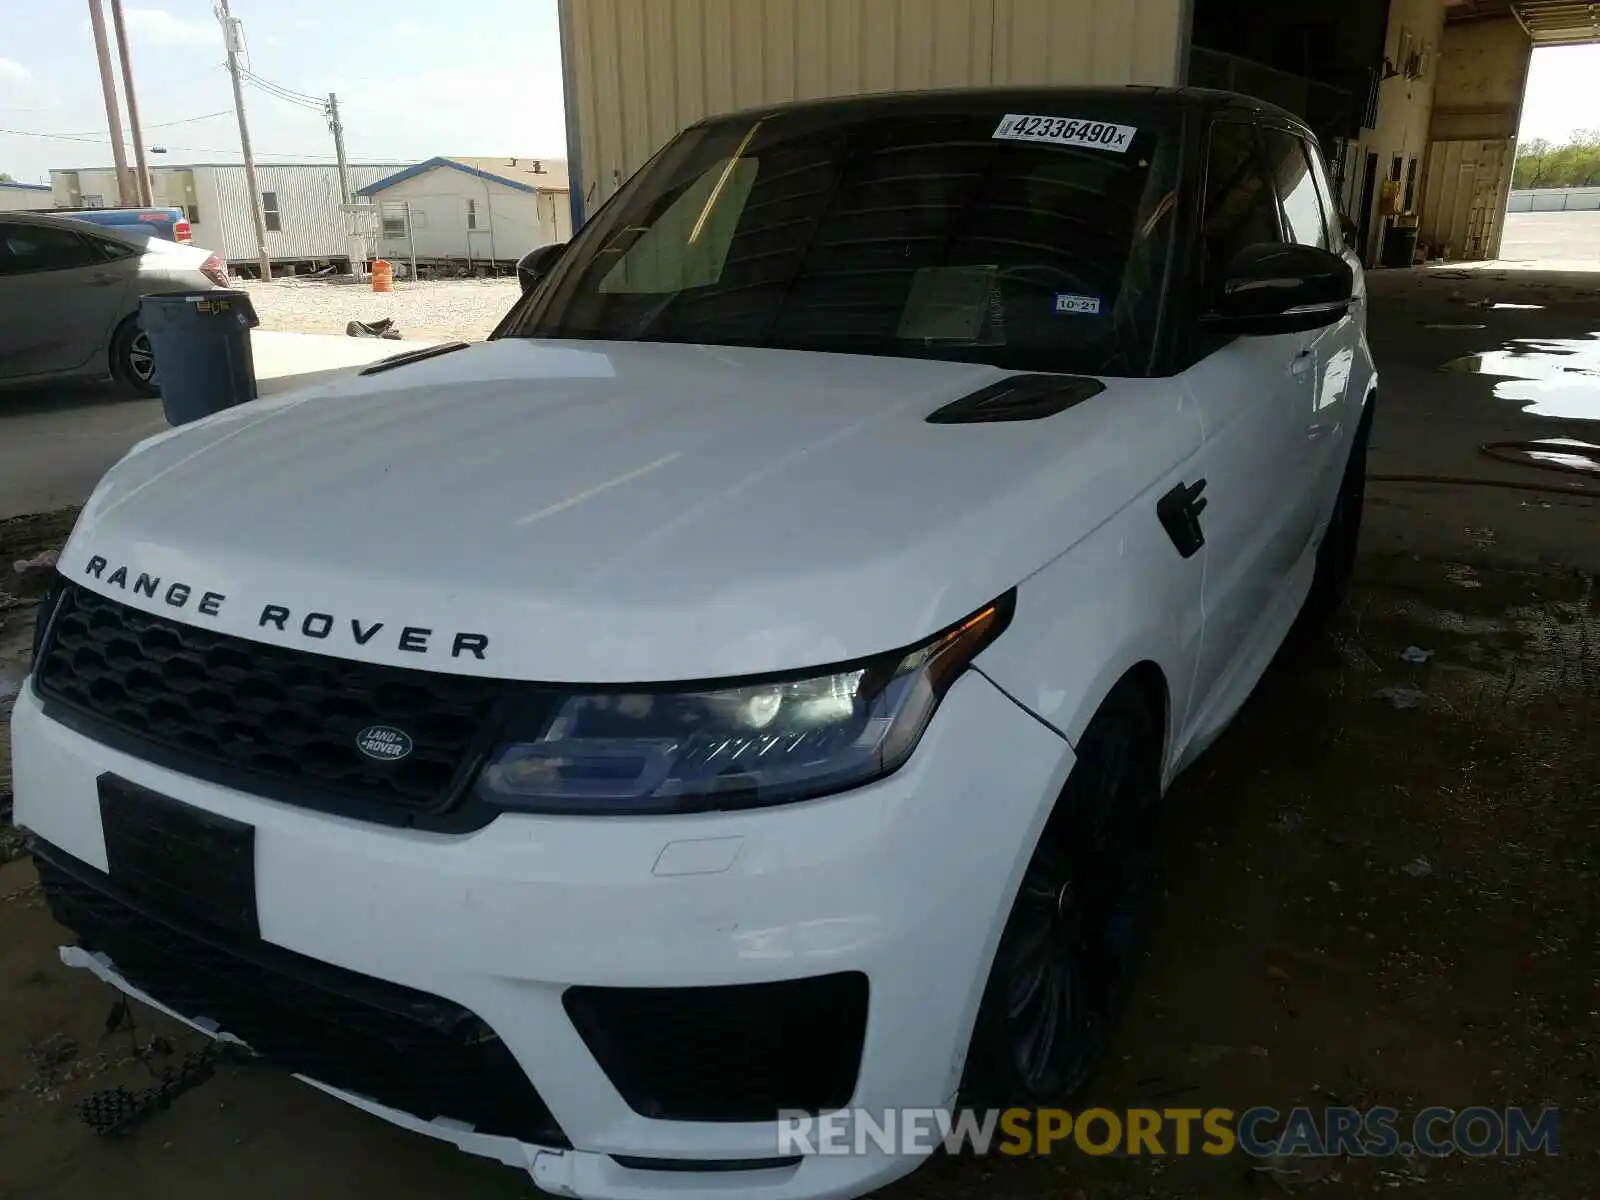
x=1554 y=238
x=1361 y=903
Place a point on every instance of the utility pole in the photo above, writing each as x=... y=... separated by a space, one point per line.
x=108 y=85
x=142 y=169
x=357 y=262
x=338 y=148
x=232 y=39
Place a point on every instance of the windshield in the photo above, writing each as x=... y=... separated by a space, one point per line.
x=1032 y=241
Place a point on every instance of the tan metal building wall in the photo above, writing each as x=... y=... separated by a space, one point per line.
x=639 y=71
x=1464 y=205
x=1483 y=73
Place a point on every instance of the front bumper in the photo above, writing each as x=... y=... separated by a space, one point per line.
x=906 y=882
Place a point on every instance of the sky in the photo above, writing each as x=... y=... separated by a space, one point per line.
x=415 y=78
x=1563 y=93
x=424 y=78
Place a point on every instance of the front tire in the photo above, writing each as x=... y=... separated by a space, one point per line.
x=132 y=361
x=1068 y=950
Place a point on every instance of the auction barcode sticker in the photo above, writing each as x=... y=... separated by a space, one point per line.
x=1066 y=131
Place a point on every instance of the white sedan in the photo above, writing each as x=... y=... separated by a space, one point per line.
x=69 y=298
x=743 y=686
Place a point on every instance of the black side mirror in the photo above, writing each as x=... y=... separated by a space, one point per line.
x=1275 y=288
x=537 y=263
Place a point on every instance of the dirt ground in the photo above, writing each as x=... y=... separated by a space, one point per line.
x=21 y=539
x=427 y=310
x=1378 y=887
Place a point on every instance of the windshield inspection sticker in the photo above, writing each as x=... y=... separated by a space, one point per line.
x=1066 y=131
x=1077 y=304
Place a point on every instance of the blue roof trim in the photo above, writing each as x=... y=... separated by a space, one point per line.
x=24 y=187
x=389 y=181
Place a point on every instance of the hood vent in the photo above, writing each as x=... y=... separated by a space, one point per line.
x=1018 y=398
x=411 y=356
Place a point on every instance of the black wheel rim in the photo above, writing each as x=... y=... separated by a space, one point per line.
x=141 y=359
x=1074 y=936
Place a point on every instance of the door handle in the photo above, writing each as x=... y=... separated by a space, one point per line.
x=1303 y=362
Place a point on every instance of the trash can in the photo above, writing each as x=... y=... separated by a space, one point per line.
x=1399 y=245
x=201 y=345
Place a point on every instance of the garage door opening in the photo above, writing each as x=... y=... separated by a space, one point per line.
x=1553 y=216
x=1512 y=127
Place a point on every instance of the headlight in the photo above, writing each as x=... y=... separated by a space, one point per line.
x=697 y=749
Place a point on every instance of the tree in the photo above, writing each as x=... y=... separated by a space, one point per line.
x=1533 y=164
x=1574 y=163
x=6 y=178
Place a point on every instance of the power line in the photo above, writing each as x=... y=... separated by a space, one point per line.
x=282 y=92
x=100 y=141
x=58 y=137
x=287 y=98
x=89 y=133
x=191 y=120
x=283 y=89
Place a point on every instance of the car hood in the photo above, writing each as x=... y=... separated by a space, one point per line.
x=614 y=512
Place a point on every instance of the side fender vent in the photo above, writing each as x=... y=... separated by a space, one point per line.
x=1018 y=398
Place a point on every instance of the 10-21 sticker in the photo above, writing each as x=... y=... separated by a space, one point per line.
x=1066 y=131
x=1084 y=305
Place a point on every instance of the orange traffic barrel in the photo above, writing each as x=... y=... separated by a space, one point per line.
x=382 y=276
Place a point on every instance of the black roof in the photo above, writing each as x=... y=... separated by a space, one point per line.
x=937 y=100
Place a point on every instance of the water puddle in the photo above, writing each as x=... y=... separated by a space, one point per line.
x=1508 y=304
x=1550 y=378
x=1567 y=454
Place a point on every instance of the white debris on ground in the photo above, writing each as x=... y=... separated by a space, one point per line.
x=429 y=310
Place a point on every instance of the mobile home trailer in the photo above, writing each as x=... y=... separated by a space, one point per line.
x=306 y=228
x=471 y=214
x=21 y=197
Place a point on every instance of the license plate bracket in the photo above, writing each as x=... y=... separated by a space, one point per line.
x=179 y=859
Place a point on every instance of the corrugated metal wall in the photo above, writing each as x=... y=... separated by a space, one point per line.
x=308 y=204
x=1464 y=200
x=639 y=71
x=1477 y=108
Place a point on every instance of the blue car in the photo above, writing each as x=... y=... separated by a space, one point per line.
x=167 y=223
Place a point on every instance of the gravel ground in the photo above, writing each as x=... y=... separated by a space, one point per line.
x=430 y=310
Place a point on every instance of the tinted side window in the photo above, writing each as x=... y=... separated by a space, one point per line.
x=111 y=251
x=1330 y=210
x=1241 y=209
x=27 y=248
x=1304 y=221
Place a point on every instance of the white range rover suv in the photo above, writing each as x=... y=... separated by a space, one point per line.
x=745 y=684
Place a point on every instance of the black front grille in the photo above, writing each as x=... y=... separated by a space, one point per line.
x=400 y=1047
x=200 y=866
x=264 y=718
x=745 y=1052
